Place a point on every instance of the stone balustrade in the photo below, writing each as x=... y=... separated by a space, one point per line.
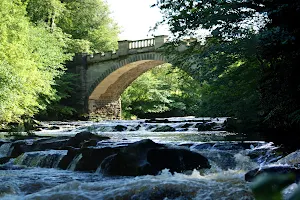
x=141 y=43
x=127 y=47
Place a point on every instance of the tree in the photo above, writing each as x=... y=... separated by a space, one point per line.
x=88 y=28
x=279 y=50
x=31 y=57
x=88 y=22
x=163 y=91
x=272 y=37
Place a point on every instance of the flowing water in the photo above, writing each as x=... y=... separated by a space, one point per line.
x=35 y=175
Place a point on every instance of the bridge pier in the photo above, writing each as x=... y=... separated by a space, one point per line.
x=105 y=109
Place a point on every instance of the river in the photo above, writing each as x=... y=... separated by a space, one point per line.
x=36 y=175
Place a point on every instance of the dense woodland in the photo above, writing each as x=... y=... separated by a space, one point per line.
x=245 y=68
x=37 y=38
x=248 y=64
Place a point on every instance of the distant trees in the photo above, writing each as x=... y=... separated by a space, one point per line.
x=162 y=91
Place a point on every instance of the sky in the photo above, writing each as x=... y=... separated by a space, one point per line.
x=135 y=17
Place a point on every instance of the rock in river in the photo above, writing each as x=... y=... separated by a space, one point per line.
x=165 y=128
x=176 y=160
x=80 y=138
x=249 y=176
x=147 y=157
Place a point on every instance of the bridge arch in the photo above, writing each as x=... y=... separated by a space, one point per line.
x=104 y=94
x=104 y=76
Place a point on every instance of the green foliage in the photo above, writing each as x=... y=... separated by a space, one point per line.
x=260 y=33
x=88 y=28
x=225 y=19
x=30 y=59
x=228 y=73
x=279 y=48
x=233 y=93
x=86 y=21
x=163 y=90
x=64 y=105
x=42 y=35
x=37 y=38
x=270 y=186
x=48 y=11
x=89 y=20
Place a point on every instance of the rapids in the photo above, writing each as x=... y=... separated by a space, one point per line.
x=35 y=175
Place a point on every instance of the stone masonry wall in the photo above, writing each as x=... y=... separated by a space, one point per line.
x=105 y=110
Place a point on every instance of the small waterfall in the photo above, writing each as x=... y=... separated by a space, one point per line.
x=99 y=170
x=44 y=159
x=72 y=165
x=5 y=149
x=264 y=154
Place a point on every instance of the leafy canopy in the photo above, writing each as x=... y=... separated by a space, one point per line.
x=31 y=57
x=261 y=33
x=88 y=22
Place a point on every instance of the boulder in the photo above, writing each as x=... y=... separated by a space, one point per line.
x=84 y=136
x=224 y=160
x=92 y=158
x=148 y=128
x=135 y=128
x=291 y=159
x=2 y=142
x=120 y=128
x=206 y=145
x=123 y=164
x=186 y=125
x=53 y=128
x=205 y=126
x=264 y=154
x=55 y=143
x=241 y=126
x=176 y=160
x=21 y=146
x=188 y=145
x=249 y=176
x=17 y=148
x=130 y=161
x=165 y=128
x=141 y=147
x=156 y=120
x=147 y=157
x=89 y=143
x=67 y=159
x=4 y=160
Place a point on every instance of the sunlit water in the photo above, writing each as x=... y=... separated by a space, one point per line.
x=224 y=181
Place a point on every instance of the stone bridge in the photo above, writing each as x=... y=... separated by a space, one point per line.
x=105 y=76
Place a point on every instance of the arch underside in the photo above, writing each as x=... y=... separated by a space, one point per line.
x=109 y=90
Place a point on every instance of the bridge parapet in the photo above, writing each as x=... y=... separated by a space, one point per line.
x=128 y=47
x=141 y=43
